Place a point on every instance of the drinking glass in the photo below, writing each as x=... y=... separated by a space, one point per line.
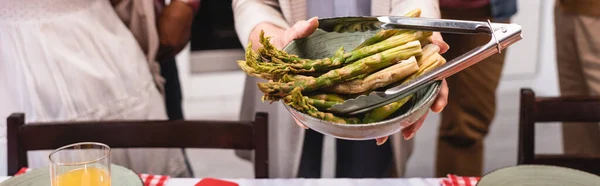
x=80 y=164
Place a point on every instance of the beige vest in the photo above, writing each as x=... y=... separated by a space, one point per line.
x=139 y=16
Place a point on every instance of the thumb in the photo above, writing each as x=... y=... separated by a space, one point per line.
x=301 y=29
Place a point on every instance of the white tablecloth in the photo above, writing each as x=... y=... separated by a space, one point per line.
x=310 y=182
x=317 y=182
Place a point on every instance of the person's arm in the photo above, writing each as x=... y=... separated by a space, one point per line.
x=194 y=4
x=252 y=16
x=175 y=26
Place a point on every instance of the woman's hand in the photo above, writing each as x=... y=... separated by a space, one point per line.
x=281 y=37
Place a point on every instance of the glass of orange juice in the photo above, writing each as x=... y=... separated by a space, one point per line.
x=80 y=164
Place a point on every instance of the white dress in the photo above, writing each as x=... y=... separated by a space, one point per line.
x=66 y=60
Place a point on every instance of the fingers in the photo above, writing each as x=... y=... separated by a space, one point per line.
x=300 y=124
x=437 y=39
x=301 y=29
x=306 y=28
x=437 y=106
x=382 y=140
x=442 y=99
x=410 y=131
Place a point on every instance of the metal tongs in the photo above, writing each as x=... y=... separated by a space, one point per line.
x=502 y=34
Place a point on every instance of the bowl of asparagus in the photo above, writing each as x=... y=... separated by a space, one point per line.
x=312 y=74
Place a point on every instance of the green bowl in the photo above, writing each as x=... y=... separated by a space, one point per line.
x=526 y=175
x=323 y=44
x=120 y=176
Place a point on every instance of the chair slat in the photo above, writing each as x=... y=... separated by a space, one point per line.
x=555 y=109
x=243 y=135
x=567 y=109
x=152 y=134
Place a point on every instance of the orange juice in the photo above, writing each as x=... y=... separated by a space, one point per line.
x=88 y=176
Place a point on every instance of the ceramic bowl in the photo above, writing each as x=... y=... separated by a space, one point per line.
x=120 y=176
x=323 y=44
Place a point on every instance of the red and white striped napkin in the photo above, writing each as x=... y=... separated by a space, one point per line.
x=454 y=180
x=148 y=179
x=154 y=180
x=23 y=171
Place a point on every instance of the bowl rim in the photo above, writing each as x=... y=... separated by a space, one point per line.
x=436 y=86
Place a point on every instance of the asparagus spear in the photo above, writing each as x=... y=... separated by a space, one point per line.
x=300 y=103
x=396 y=40
x=282 y=63
x=328 y=97
x=324 y=101
x=381 y=113
x=322 y=64
x=320 y=104
x=274 y=70
x=338 y=27
x=290 y=78
x=269 y=51
x=356 y=27
x=367 y=27
x=252 y=67
x=379 y=79
x=428 y=51
x=428 y=63
x=276 y=90
x=384 y=34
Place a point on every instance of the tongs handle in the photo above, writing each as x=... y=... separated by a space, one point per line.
x=502 y=36
x=430 y=24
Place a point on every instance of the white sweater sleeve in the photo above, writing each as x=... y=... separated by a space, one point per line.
x=249 y=13
x=429 y=8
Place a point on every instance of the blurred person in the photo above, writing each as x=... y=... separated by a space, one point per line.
x=577 y=25
x=472 y=102
x=162 y=36
x=72 y=60
x=296 y=152
x=174 y=25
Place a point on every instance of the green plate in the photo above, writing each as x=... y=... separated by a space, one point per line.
x=538 y=175
x=120 y=176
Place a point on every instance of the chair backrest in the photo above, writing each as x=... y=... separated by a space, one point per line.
x=247 y=135
x=555 y=109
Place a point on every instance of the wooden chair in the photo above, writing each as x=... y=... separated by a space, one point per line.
x=555 y=109
x=248 y=135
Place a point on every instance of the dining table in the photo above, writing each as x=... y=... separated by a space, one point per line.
x=317 y=182
x=305 y=182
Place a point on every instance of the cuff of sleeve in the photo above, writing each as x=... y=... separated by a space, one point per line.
x=249 y=15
